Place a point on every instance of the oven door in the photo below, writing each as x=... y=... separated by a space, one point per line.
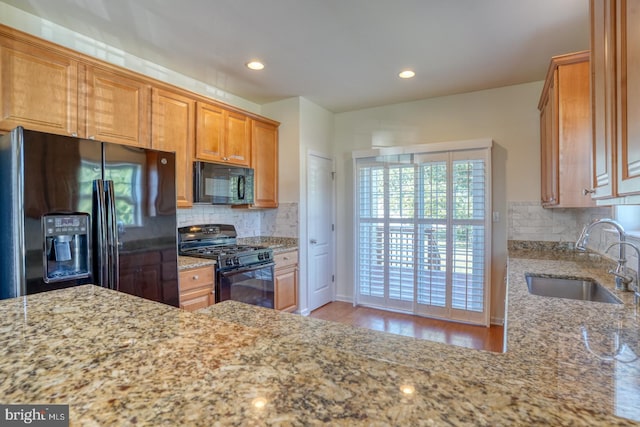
x=251 y=285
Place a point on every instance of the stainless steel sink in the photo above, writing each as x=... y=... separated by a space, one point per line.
x=570 y=288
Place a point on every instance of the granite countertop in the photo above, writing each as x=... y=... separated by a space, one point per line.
x=278 y=244
x=120 y=360
x=188 y=262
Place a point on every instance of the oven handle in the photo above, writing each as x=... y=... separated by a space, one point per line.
x=230 y=272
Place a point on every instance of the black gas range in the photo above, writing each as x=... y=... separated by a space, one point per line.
x=243 y=272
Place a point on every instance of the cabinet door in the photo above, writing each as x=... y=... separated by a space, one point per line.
x=264 y=161
x=628 y=90
x=117 y=108
x=573 y=135
x=286 y=286
x=603 y=99
x=38 y=89
x=144 y=281
x=173 y=129
x=238 y=143
x=209 y=132
x=549 y=148
x=197 y=288
x=196 y=300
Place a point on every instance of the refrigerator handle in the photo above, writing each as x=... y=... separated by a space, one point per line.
x=112 y=237
x=101 y=233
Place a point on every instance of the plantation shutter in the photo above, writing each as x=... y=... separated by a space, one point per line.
x=422 y=221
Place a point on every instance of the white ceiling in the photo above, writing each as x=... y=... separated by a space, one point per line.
x=341 y=54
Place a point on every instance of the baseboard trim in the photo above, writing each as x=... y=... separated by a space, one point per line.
x=305 y=312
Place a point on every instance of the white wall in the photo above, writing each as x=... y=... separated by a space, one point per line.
x=287 y=112
x=508 y=115
x=305 y=127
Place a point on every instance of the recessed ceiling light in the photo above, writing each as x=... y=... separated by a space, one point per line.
x=255 y=65
x=406 y=74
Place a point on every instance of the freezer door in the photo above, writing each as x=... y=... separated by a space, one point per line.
x=144 y=198
x=12 y=283
x=56 y=176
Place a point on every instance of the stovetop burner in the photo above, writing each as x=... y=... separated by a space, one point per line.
x=218 y=242
x=221 y=250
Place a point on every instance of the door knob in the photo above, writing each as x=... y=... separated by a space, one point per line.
x=313 y=241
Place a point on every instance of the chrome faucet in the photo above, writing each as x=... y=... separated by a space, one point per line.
x=635 y=286
x=622 y=279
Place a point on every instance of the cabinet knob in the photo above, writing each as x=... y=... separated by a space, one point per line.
x=74 y=134
x=586 y=191
x=196 y=277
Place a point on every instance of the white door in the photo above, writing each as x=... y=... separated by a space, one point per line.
x=320 y=230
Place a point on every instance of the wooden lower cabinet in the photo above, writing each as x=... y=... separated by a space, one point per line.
x=197 y=288
x=141 y=274
x=286 y=281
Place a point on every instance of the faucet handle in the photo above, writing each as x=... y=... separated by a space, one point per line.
x=622 y=280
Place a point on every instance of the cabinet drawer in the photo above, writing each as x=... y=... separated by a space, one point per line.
x=196 y=294
x=196 y=300
x=286 y=259
x=196 y=278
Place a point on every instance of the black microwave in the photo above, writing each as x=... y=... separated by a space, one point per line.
x=220 y=184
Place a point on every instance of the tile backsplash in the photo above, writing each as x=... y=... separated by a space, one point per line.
x=530 y=221
x=280 y=222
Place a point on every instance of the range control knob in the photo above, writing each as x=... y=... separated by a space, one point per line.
x=229 y=261
x=236 y=260
x=266 y=255
x=261 y=256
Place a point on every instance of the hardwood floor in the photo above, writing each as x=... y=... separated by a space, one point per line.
x=471 y=336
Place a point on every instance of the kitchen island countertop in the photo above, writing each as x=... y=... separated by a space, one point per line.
x=121 y=360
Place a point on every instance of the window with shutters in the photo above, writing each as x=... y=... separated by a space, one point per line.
x=423 y=230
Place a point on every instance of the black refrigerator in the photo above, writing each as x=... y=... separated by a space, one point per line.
x=76 y=211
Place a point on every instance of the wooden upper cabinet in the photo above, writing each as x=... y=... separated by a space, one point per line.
x=49 y=88
x=222 y=135
x=238 y=142
x=38 y=88
x=603 y=98
x=565 y=130
x=173 y=129
x=117 y=108
x=549 y=145
x=264 y=161
x=615 y=80
x=209 y=132
x=628 y=96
